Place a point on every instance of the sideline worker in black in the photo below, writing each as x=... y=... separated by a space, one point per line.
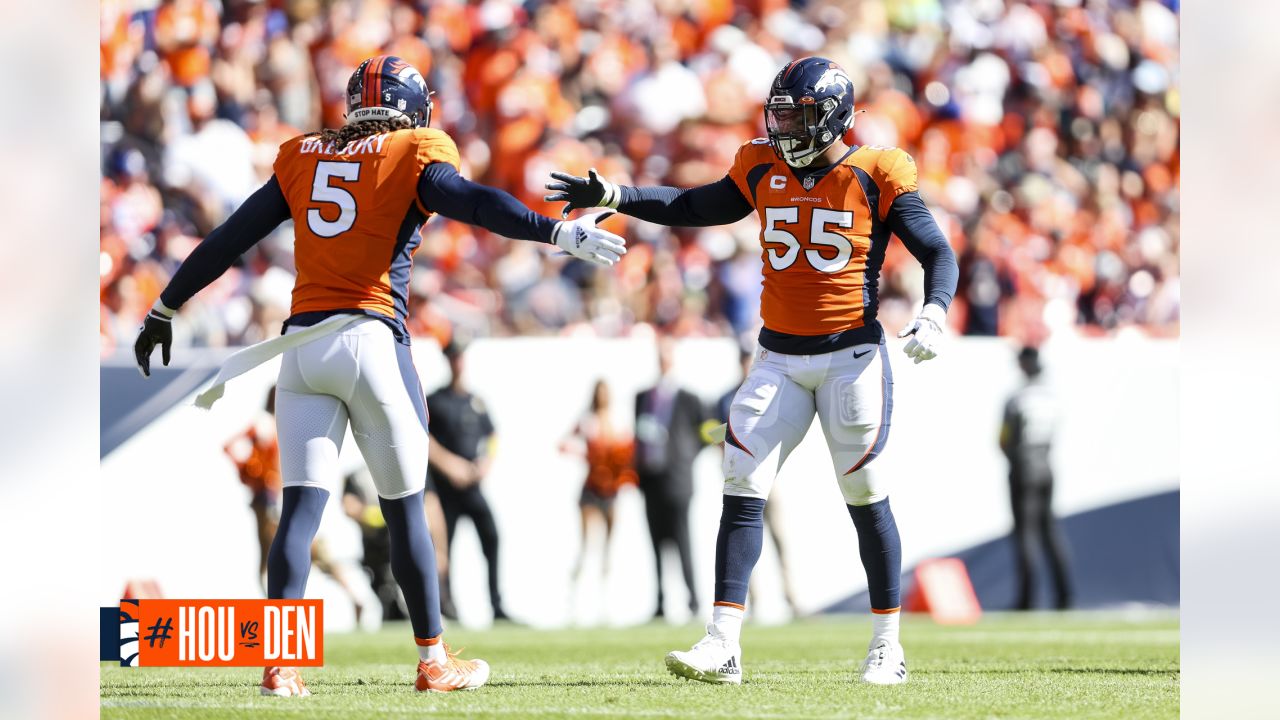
x=1026 y=438
x=461 y=454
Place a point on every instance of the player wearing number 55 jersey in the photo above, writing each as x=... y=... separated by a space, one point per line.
x=827 y=211
x=357 y=197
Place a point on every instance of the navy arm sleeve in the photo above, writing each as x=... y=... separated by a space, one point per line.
x=912 y=222
x=718 y=203
x=443 y=191
x=259 y=215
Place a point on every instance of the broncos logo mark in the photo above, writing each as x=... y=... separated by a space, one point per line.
x=129 y=642
x=833 y=76
x=405 y=71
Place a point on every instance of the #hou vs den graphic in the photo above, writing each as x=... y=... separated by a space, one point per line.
x=214 y=633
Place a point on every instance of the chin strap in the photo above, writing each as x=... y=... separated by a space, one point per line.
x=802 y=163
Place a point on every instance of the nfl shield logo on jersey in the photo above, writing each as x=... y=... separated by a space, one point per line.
x=808 y=183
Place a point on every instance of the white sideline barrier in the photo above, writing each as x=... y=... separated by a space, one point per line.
x=178 y=514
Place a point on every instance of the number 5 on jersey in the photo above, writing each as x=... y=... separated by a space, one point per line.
x=323 y=192
x=819 y=235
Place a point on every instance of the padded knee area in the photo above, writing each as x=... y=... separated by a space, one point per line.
x=859 y=490
x=742 y=475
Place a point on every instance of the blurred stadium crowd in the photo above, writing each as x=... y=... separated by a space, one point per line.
x=1046 y=133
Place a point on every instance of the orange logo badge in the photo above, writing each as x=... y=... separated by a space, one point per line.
x=221 y=633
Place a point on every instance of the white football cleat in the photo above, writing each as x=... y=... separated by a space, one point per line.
x=452 y=673
x=886 y=664
x=715 y=659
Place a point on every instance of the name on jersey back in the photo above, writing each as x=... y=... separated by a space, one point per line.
x=368 y=145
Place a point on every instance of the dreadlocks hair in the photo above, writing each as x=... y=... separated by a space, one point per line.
x=364 y=128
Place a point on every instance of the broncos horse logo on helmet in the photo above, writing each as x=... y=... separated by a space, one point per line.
x=386 y=87
x=810 y=106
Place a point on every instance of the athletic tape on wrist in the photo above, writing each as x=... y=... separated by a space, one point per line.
x=162 y=311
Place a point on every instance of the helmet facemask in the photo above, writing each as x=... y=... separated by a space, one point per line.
x=798 y=131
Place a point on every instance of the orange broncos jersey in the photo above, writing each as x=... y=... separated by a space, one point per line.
x=822 y=245
x=356 y=216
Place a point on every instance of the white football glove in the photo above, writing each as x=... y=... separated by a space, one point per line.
x=583 y=240
x=926 y=331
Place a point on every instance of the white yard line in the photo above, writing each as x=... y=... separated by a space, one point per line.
x=306 y=707
x=1164 y=636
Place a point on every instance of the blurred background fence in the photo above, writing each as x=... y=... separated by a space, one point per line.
x=180 y=515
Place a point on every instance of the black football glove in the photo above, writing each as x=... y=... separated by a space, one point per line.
x=157 y=329
x=588 y=192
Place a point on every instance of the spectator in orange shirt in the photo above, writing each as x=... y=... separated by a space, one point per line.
x=186 y=32
x=257 y=458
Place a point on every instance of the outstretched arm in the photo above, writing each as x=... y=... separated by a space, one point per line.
x=717 y=203
x=442 y=190
x=259 y=215
x=912 y=222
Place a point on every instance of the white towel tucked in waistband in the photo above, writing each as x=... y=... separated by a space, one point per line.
x=246 y=359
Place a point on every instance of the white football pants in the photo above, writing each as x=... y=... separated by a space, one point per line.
x=360 y=375
x=851 y=391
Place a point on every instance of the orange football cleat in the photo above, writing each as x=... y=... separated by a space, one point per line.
x=283 y=682
x=452 y=673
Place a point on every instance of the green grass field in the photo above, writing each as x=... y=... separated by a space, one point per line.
x=1076 y=665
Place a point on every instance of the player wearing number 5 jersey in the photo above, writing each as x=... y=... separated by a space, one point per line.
x=827 y=211
x=358 y=196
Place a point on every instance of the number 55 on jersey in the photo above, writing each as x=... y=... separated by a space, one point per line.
x=823 y=244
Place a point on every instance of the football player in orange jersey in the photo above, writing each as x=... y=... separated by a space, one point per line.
x=357 y=197
x=827 y=211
